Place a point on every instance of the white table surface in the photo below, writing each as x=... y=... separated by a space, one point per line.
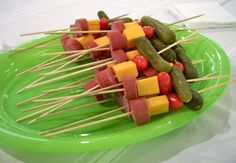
x=209 y=138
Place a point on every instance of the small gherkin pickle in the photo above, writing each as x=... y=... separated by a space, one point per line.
x=169 y=55
x=197 y=101
x=180 y=84
x=166 y=35
x=190 y=71
x=145 y=47
x=102 y=14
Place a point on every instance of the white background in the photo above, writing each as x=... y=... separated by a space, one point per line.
x=210 y=138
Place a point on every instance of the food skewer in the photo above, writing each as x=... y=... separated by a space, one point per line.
x=48 y=133
x=73 y=51
x=56 y=106
x=107 y=89
x=78 y=72
x=73 y=32
x=64 y=29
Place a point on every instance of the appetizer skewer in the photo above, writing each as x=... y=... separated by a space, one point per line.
x=137 y=102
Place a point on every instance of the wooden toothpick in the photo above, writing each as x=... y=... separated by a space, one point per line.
x=79 y=32
x=183 y=20
x=88 y=124
x=83 y=120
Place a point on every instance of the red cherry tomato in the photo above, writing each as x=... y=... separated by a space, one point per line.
x=165 y=83
x=179 y=65
x=149 y=32
x=141 y=62
x=175 y=102
x=103 y=24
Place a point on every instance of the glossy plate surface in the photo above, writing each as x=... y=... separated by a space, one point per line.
x=111 y=134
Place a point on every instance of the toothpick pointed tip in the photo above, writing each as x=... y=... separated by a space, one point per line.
x=31 y=122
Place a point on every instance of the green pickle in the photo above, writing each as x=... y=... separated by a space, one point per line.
x=102 y=14
x=190 y=71
x=180 y=84
x=169 y=55
x=145 y=47
x=197 y=101
x=166 y=35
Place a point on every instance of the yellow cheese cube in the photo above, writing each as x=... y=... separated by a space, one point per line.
x=132 y=54
x=131 y=34
x=148 y=86
x=94 y=25
x=130 y=24
x=85 y=39
x=157 y=105
x=102 y=40
x=125 y=69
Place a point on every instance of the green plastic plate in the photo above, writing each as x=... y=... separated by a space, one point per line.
x=117 y=133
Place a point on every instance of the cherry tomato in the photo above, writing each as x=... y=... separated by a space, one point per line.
x=141 y=62
x=165 y=83
x=179 y=65
x=149 y=32
x=175 y=102
x=103 y=24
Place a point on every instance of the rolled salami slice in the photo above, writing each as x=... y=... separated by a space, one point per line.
x=82 y=25
x=125 y=102
x=106 y=78
x=63 y=40
x=119 y=55
x=94 y=54
x=74 y=28
x=150 y=72
x=90 y=84
x=130 y=87
x=98 y=69
x=72 y=44
x=119 y=98
x=140 y=113
x=117 y=40
x=118 y=25
x=110 y=76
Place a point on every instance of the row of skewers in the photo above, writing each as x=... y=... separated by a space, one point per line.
x=138 y=62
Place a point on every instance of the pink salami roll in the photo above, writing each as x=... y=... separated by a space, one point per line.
x=105 y=54
x=119 y=55
x=96 y=70
x=118 y=25
x=150 y=72
x=82 y=25
x=63 y=40
x=110 y=76
x=94 y=54
x=74 y=28
x=72 y=44
x=130 y=87
x=140 y=113
x=119 y=98
x=90 y=84
x=117 y=40
x=126 y=104
x=106 y=78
